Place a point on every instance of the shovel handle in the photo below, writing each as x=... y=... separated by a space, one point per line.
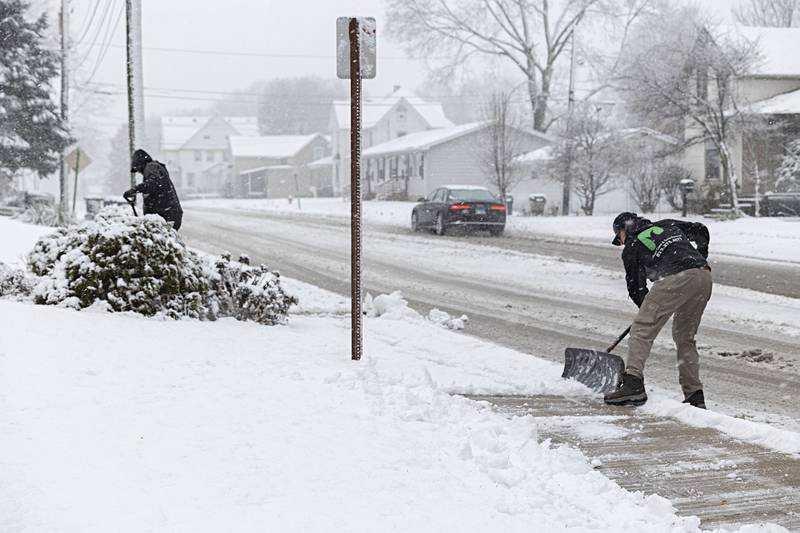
x=619 y=340
x=132 y=203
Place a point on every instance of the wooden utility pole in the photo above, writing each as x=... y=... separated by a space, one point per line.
x=567 y=191
x=63 y=175
x=133 y=32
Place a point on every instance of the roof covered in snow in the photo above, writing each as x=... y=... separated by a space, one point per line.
x=177 y=131
x=778 y=47
x=781 y=104
x=321 y=163
x=424 y=140
x=270 y=146
x=544 y=153
x=374 y=109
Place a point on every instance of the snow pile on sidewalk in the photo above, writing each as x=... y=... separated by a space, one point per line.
x=393 y=306
x=124 y=423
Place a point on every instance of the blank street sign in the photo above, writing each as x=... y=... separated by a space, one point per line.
x=368 y=46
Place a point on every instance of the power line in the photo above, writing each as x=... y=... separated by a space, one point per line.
x=100 y=26
x=250 y=54
x=90 y=18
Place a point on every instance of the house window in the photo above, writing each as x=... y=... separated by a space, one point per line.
x=206 y=137
x=401 y=113
x=318 y=153
x=190 y=179
x=401 y=134
x=198 y=155
x=209 y=155
x=226 y=156
x=421 y=165
x=713 y=166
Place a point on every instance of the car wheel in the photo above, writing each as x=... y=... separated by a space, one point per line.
x=496 y=232
x=414 y=222
x=440 y=227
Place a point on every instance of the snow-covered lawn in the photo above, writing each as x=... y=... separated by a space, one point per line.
x=116 y=422
x=768 y=239
x=17 y=239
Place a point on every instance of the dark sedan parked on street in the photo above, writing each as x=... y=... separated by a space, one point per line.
x=459 y=206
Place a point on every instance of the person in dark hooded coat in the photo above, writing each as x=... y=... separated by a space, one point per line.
x=160 y=197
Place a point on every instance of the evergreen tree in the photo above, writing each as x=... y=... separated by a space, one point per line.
x=32 y=134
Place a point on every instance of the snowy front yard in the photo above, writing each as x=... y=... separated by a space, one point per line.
x=768 y=239
x=114 y=422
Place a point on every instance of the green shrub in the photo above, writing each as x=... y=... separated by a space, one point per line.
x=141 y=265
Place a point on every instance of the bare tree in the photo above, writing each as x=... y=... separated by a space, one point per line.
x=769 y=13
x=501 y=142
x=531 y=34
x=594 y=154
x=680 y=71
x=645 y=186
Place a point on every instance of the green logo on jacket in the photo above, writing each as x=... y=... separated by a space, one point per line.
x=647 y=239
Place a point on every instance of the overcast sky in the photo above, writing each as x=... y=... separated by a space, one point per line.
x=294 y=37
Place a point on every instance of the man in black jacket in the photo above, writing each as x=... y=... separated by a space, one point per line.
x=663 y=253
x=160 y=197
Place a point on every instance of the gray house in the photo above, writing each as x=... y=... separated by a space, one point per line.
x=415 y=164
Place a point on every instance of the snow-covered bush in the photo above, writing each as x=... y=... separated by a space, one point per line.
x=134 y=264
x=141 y=265
x=41 y=215
x=14 y=282
x=250 y=293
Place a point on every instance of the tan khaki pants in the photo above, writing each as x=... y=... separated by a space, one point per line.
x=684 y=295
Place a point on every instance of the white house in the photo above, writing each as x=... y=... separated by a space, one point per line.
x=382 y=119
x=415 y=164
x=196 y=150
x=278 y=166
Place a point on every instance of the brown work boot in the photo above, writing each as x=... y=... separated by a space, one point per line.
x=631 y=392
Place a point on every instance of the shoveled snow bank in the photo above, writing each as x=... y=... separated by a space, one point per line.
x=114 y=421
x=394 y=306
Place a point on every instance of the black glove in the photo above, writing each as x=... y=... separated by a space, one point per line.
x=129 y=195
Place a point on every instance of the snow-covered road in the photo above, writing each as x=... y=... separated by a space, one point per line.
x=532 y=303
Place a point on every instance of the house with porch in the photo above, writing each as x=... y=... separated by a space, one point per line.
x=415 y=164
x=196 y=150
x=279 y=166
x=385 y=118
x=770 y=92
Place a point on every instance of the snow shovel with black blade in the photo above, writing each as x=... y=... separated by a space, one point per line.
x=600 y=371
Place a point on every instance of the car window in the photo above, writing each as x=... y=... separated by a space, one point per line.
x=472 y=195
x=438 y=196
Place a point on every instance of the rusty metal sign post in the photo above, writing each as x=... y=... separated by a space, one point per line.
x=355 y=60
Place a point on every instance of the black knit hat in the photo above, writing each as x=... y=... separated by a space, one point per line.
x=139 y=159
x=623 y=221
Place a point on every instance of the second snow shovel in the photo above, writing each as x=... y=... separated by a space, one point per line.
x=600 y=371
x=132 y=203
